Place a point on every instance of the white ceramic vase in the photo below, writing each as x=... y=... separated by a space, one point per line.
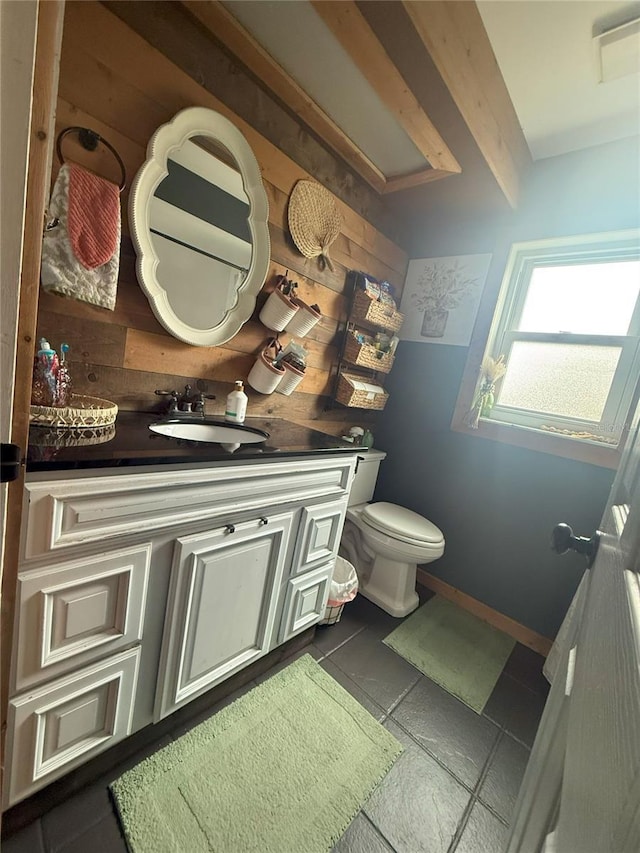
x=304 y=320
x=277 y=311
x=264 y=376
x=291 y=379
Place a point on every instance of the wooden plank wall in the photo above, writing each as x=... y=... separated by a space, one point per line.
x=115 y=82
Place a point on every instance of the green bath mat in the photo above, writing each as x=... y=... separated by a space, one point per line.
x=283 y=769
x=455 y=649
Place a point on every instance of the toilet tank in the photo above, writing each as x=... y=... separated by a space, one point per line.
x=364 y=480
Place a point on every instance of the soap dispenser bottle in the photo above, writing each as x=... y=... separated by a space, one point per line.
x=236 y=407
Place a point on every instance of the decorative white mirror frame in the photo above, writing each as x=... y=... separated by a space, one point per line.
x=190 y=122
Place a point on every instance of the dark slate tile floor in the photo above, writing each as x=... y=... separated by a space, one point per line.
x=452 y=790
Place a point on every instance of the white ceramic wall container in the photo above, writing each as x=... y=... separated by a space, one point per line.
x=291 y=379
x=264 y=376
x=304 y=320
x=277 y=311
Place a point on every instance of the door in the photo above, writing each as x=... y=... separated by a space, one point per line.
x=31 y=35
x=223 y=598
x=581 y=791
x=18 y=23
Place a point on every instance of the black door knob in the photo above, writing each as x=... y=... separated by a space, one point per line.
x=563 y=540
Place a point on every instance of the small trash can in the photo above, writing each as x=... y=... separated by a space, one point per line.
x=343 y=588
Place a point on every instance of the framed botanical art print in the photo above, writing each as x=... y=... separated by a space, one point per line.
x=441 y=297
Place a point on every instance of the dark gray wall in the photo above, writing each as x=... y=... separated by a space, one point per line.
x=496 y=503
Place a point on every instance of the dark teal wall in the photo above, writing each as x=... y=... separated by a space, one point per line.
x=497 y=503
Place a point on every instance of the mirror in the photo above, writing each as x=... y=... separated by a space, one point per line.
x=199 y=223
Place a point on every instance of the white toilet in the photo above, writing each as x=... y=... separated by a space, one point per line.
x=386 y=542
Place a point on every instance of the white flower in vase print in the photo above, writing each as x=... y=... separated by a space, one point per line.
x=441 y=288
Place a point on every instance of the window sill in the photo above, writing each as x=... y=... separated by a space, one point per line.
x=592 y=453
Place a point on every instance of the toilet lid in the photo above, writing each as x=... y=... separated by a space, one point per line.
x=401 y=523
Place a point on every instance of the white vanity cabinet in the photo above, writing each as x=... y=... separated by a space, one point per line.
x=140 y=590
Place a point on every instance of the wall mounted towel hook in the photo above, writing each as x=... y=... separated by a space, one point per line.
x=89 y=140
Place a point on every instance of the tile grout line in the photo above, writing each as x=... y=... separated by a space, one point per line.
x=528 y=686
x=378 y=830
x=343 y=643
x=485 y=770
x=483 y=775
x=367 y=694
x=431 y=755
x=462 y=825
x=402 y=696
x=57 y=849
x=41 y=833
x=492 y=810
x=523 y=684
x=504 y=735
x=502 y=727
x=509 y=733
x=475 y=795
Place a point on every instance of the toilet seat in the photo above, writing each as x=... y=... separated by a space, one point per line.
x=397 y=549
x=386 y=562
x=402 y=525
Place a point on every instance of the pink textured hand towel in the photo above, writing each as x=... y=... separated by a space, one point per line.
x=81 y=244
x=94 y=217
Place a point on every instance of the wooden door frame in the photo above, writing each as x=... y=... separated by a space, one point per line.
x=41 y=137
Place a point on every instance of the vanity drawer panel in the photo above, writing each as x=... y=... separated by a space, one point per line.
x=75 y=612
x=55 y=728
x=65 y=513
x=306 y=601
x=319 y=535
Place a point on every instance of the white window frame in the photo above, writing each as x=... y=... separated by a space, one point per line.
x=587 y=249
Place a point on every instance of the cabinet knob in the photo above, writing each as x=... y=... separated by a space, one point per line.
x=264 y=521
x=230 y=528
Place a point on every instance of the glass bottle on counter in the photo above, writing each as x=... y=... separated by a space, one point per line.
x=51 y=381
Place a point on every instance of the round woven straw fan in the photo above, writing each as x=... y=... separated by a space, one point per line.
x=314 y=220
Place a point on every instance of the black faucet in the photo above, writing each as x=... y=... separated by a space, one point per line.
x=187 y=405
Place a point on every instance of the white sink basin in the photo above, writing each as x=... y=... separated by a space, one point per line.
x=210 y=432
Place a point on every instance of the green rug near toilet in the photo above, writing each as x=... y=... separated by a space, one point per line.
x=458 y=651
x=284 y=769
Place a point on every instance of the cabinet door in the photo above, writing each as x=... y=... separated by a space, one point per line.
x=320 y=532
x=306 y=601
x=222 y=603
x=72 y=613
x=52 y=729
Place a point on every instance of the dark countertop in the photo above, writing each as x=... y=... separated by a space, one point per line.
x=130 y=442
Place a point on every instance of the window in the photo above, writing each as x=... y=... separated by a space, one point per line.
x=568 y=325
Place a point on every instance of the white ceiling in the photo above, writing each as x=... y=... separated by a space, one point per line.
x=549 y=61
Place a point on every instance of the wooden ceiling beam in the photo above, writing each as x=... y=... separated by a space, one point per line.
x=414 y=179
x=456 y=40
x=351 y=29
x=367 y=53
x=228 y=30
